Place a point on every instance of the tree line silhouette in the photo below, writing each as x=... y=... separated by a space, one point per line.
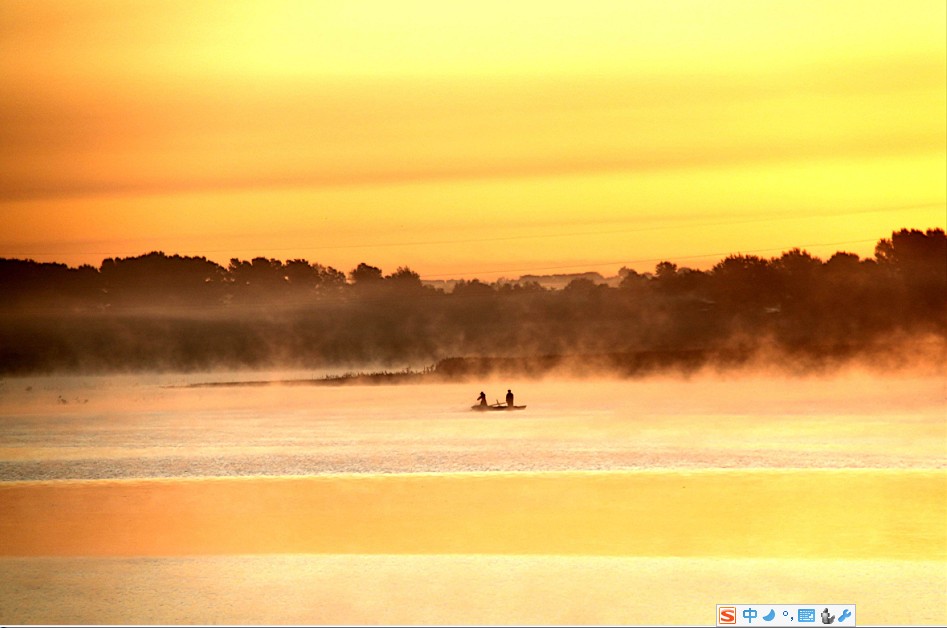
x=160 y=312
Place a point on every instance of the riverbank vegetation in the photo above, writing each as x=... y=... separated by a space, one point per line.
x=168 y=312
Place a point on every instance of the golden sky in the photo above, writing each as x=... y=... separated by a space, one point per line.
x=469 y=139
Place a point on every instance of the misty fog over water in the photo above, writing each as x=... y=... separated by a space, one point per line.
x=159 y=312
x=141 y=427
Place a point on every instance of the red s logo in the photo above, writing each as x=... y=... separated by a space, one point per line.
x=727 y=615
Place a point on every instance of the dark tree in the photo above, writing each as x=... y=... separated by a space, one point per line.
x=365 y=275
x=160 y=280
x=405 y=280
x=166 y=311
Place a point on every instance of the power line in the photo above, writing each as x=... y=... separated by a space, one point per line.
x=652 y=260
x=899 y=208
x=514 y=237
x=723 y=223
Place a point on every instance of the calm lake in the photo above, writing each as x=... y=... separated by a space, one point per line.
x=144 y=499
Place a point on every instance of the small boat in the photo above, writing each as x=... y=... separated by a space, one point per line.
x=496 y=406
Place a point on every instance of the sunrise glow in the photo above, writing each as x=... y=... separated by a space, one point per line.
x=479 y=139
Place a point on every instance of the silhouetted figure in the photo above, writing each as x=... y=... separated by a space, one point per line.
x=482 y=399
x=509 y=398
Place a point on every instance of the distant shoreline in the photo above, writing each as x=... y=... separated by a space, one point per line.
x=620 y=364
x=373 y=378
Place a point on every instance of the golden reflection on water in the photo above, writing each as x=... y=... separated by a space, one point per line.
x=740 y=513
x=605 y=502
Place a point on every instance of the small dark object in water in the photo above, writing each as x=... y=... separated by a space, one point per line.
x=497 y=407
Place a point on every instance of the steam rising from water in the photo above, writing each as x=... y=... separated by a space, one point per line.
x=133 y=427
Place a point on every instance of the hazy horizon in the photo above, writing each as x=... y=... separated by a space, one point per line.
x=167 y=312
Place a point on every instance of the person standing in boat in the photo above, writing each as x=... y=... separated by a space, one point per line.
x=509 y=398
x=482 y=399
